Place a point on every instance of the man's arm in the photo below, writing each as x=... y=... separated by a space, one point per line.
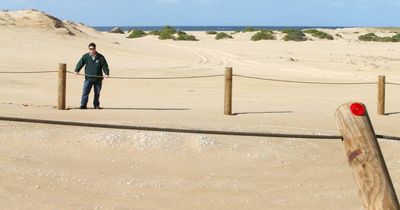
x=80 y=64
x=106 y=70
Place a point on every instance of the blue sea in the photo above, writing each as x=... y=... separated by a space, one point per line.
x=211 y=28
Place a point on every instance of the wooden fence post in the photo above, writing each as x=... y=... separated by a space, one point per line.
x=381 y=94
x=62 y=81
x=365 y=158
x=228 y=91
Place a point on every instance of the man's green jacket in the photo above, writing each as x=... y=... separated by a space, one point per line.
x=94 y=66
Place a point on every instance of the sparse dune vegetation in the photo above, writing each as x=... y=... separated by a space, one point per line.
x=319 y=34
x=183 y=36
x=169 y=32
x=294 y=35
x=223 y=35
x=263 y=35
x=154 y=33
x=372 y=37
x=165 y=33
x=134 y=33
x=211 y=32
x=249 y=29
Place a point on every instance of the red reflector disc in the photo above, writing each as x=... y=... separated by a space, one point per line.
x=357 y=109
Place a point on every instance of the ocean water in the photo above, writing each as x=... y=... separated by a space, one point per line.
x=211 y=28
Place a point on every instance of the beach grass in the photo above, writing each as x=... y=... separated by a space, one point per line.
x=134 y=33
x=164 y=35
x=186 y=37
x=223 y=35
x=263 y=35
x=211 y=32
x=293 y=35
x=372 y=37
x=249 y=29
x=169 y=32
x=319 y=34
x=154 y=32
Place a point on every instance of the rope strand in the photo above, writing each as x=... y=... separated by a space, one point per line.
x=26 y=72
x=306 y=82
x=151 y=78
x=180 y=130
x=207 y=76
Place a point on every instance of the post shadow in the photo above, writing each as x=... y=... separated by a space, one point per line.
x=392 y=113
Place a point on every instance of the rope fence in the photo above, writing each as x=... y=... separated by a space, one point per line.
x=392 y=83
x=26 y=72
x=149 y=78
x=207 y=76
x=305 y=82
x=62 y=72
x=180 y=130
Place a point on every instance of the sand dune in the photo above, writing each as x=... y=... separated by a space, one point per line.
x=57 y=167
x=39 y=20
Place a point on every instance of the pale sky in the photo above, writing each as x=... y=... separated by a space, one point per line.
x=218 y=12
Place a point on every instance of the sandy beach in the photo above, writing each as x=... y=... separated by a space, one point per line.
x=61 y=167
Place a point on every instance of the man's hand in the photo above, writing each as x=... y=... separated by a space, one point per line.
x=76 y=73
x=106 y=76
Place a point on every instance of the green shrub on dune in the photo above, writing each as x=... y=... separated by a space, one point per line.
x=249 y=29
x=183 y=36
x=263 y=35
x=396 y=38
x=155 y=33
x=169 y=32
x=211 y=32
x=166 y=35
x=372 y=37
x=134 y=33
x=386 y=39
x=169 y=29
x=369 y=37
x=289 y=30
x=319 y=34
x=268 y=31
x=294 y=35
x=186 y=37
x=223 y=35
x=181 y=33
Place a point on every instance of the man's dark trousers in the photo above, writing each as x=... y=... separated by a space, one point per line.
x=87 y=86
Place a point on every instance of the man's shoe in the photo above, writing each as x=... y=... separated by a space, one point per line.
x=83 y=107
x=97 y=107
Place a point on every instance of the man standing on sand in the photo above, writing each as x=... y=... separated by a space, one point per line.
x=95 y=63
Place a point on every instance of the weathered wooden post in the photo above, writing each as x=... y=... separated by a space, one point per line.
x=381 y=94
x=365 y=158
x=62 y=82
x=228 y=91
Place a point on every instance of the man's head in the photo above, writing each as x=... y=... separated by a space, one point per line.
x=92 y=48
